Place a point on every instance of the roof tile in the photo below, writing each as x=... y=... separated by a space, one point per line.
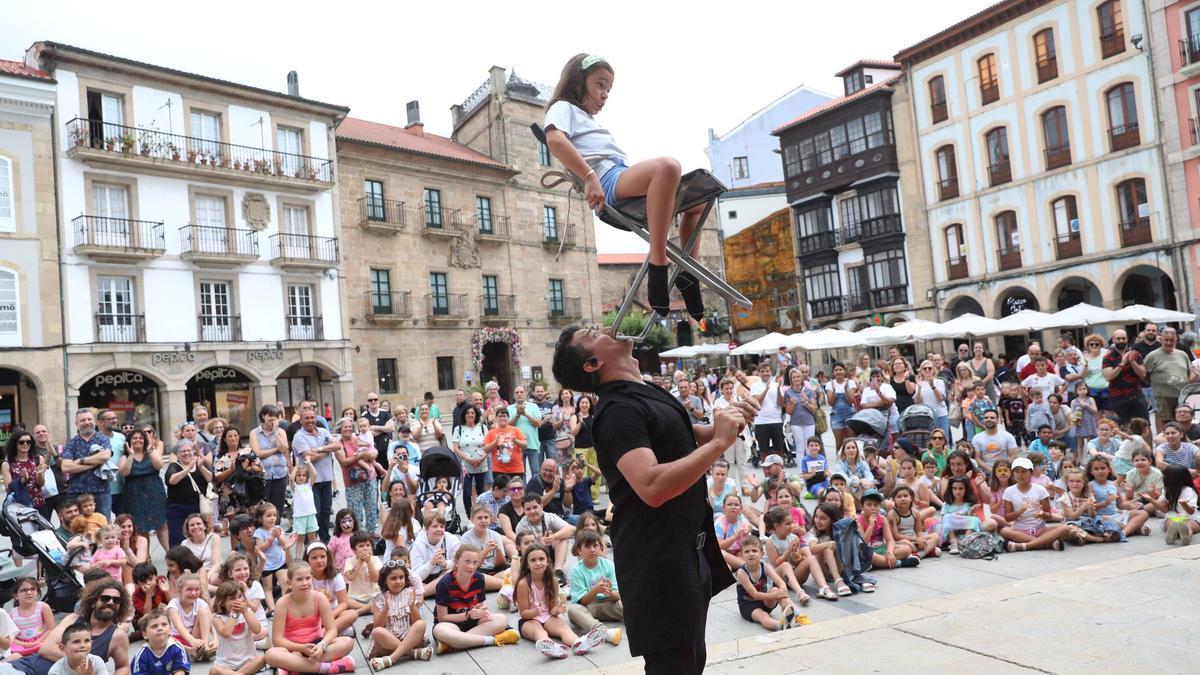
x=399 y=138
x=838 y=102
x=19 y=69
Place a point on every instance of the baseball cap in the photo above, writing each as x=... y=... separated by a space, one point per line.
x=772 y=460
x=838 y=474
x=1022 y=463
x=872 y=494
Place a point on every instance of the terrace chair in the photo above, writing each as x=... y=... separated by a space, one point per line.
x=695 y=188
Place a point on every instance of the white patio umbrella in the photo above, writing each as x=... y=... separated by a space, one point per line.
x=719 y=349
x=908 y=331
x=763 y=345
x=829 y=338
x=1139 y=313
x=877 y=336
x=679 y=353
x=1084 y=314
x=1025 y=321
x=967 y=325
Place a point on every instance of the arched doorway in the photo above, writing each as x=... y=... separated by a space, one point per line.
x=1074 y=291
x=306 y=382
x=1013 y=301
x=1145 y=285
x=497 y=363
x=134 y=396
x=965 y=305
x=226 y=392
x=18 y=402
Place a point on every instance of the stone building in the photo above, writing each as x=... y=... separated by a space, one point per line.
x=31 y=332
x=463 y=267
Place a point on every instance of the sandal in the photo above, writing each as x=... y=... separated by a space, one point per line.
x=826 y=593
x=1057 y=545
x=422 y=654
x=1145 y=530
x=868 y=587
x=803 y=598
x=381 y=662
x=842 y=588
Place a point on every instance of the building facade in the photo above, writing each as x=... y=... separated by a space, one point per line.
x=761 y=264
x=199 y=241
x=464 y=268
x=841 y=168
x=1173 y=35
x=31 y=333
x=1041 y=166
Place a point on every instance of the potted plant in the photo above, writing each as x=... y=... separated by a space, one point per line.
x=191 y=155
x=173 y=151
x=110 y=144
x=224 y=161
x=278 y=166
x=127 y=142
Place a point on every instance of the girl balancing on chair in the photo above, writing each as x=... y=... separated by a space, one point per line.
x=588 y=150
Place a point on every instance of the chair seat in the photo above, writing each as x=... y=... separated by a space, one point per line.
x=695 y=188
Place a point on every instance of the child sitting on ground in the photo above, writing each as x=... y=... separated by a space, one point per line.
x=160 y=655
x=304 y=636
x=731 y=529
x=32 y=618
x=397 y=626
x=238 y=568
x=463 y=620
x=888 y=553
x=495 y=549
x=594 y=593
x=235 y=623
x=543 y=611
x=191 y=619
x=760 y=590
x=76 y=644
x=432 y=552
x=908 y=525
x=148 y=590
x=787 y=553
x=361 y=572
x=588 y=150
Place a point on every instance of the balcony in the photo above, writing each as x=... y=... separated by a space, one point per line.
x=1189 y=56
x=877 y=298
x=956 y=268
x=493 y=228
x=1068 y=245
x=118 y=239
x=388 y=307
x=304 y=252
x=947 y=189
x=1047 y=70
x=381 y=215
x=1136 y=233
x=1125 y=136
x=999 y=173
x=305 y=328
x=120 y=328
x=446 y=307
x=872 y=228
x=1112 y=44
x=558 y=234
x=1058 y=156
x=825 y=240
x=939 y=111
x=989 y=92
x=115 y=146
x=497 y=309
x=217 y=246
x=823 y=307
x=564 y=310
x=219 y=328
x=437 y=221
x=1010 y=258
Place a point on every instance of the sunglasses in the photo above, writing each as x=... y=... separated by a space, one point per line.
x=399 y=562
x=516 y=489
x=25 y=441
x=109 y=599
x=372 y=399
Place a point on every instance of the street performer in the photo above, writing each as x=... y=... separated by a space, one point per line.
x=668 y=563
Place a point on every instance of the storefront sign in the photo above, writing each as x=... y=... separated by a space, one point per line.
x=118 y=378
x=1014 y=304
x=168 y=358
x=265 y=355
x=121 y=406
x=219 y=374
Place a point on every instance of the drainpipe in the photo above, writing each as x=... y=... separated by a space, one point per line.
x=62 y=302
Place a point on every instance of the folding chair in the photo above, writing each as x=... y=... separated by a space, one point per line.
x=695 y=188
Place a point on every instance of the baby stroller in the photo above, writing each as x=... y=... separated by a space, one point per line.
x=441 y=462
x=1190 y=396
x=247 y=485
x=916 y=423
x=870 y=427
x=33 y=536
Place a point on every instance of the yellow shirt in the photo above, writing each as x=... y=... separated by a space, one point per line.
x=95 y=522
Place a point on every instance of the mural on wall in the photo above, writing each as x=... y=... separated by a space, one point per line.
x=759 y=262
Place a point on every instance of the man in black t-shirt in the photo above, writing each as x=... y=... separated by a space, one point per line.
x=667 y=560
x=381 y=424
x=460 y=404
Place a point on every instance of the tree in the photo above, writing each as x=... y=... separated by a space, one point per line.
x=635 y=322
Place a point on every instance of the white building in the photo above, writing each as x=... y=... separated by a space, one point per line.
x=1040 y=166
x=199 y=241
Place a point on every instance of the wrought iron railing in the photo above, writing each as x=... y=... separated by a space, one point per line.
x=1010 y=258
x=947 y=188
x=496 y=305
x=1136 y=232
x=1068 y=245
x=872 y=227
x=818 y=241
x=555 y=233
x=305 y=327
x=381 y=211
x=1058 y=155
x=492 y=225
x=564 y=308
x=119 y=327
x=219 y=327
x=396 y=304
x=446 y=305
x=1124 y=136
x=218 y=240
x=999 y=173
x=304 y=248
x=119 y=233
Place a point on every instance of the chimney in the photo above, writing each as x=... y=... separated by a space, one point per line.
x=293 y=83
x=414 y=118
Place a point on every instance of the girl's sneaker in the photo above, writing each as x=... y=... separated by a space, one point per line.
x=594 y=638
x=786 y=617
x=801 y=620
x=342 y=665
x=504 y=599
x=506 y=637
x=551 y=649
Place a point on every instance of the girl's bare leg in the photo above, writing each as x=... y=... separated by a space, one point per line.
x=658 y=180
x=561 y=629
x=1136 y=520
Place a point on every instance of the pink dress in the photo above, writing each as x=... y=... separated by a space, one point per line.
x=104 y=555
x=30 y=630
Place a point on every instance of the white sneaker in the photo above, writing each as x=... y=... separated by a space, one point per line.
x=594 y=638
x=551 y=649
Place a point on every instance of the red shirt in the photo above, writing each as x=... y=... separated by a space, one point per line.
x=506 y=447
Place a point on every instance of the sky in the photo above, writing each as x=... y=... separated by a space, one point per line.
x=681 y=67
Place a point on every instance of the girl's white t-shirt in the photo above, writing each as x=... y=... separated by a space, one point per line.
x=1186 y=496
x=255 y=592
x=593 y=141
x=303 y=502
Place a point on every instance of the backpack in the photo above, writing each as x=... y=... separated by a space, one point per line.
x=980 y=545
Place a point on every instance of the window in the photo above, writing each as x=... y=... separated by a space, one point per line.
x=491 y=295
x=381 y=291
x=374 y=202
x=116 y=320
x=291 y=143
x=947 y=172
x=550 y=223
x=741 y=167
x=853 y=82
x=107 y=113
x=872 y=130
x=1112 y=29
x=1131 y=201
x=445 y=372
x=999 y=170
x=302 y=321
x=1046 y=57
x=388 y=376
x=989 y=84
x=1122 y=117
x=216 y=312
x=822 y=281
x=1058 y=140
x=433 y=208
x=1006 y=231
x=557 y=299
x=294 y=232
x=813 y=220
x=439 y=294
x=937 y=99
x=869 y=214
x=10 y=317
x=956 y=252
x=8 y=220
x=887 y=278
x=110 y=210
x=206 y=133
x=1191 y=41
x=792 y=153
x=733 y=215
x=543 y=154
x=483 y=213
x=1066 y=217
